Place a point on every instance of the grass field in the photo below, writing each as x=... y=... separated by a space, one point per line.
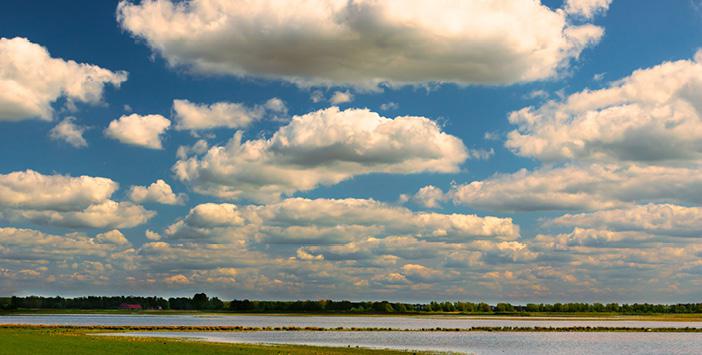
x=28 y=341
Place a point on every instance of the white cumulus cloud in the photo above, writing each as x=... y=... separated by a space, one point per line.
x=31 y=80
x=651 y=116
x=581 y=187
x=69 y=132
x=192 y=116
x=321 y=148
x=138 y=130
x=159 y=192
x=364 y=43
x=59 y=200
x=341 y=97
x=587 y=8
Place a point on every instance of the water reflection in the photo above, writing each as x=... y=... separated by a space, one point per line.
x=396 y=322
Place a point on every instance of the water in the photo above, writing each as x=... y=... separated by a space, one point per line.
x=482 y=343
x=395 y=322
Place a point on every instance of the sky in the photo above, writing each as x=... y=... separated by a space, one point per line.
x=520 y=151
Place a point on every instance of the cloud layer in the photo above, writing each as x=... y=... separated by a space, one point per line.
x=364 y=43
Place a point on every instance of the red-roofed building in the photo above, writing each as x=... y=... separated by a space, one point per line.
x=133 y=307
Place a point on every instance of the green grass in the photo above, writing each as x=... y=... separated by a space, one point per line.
x=28 y=341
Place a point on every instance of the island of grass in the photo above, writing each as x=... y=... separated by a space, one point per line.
x=72 y=341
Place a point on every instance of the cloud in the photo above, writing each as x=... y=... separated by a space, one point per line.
x=31 y=81
x=429 y=196
x=114 y=237
x=365 y=43
x=586 y=8
x=590 y=238
x=58 y=200
x=321 y=148
x=159 y=192
x=200 y=147
x=137 y=130
x=651 y=116
x=192 y=116
x=306 y=243
x=151 y=235
x=341 y=97
x=302 y=254
x=35 y=259
x=324 y=221
x=107 y=214
x=389 y=106
x=32 y=244
x=481 y=154
x=316 y=96
x=177 y=279
x=69 y=132
x=659 y=219
x=209 y=215
x=33 y=190
x=581 y=187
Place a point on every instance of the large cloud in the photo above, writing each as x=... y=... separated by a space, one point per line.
x=365 y=42
x=581 y=187
x=321 y=148
x=653 y=115
x=31 y=80
x=58 y=200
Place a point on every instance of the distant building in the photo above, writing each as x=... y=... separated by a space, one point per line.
x=131 y=307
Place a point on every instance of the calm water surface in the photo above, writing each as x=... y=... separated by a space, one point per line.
x=469 y=342
x=327 y=321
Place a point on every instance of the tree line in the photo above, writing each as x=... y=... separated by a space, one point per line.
x=201 y=301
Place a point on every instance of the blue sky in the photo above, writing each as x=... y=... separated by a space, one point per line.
x=554 y=237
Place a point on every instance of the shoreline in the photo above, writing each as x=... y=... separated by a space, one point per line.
x=604 y=317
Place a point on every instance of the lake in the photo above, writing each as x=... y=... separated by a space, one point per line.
x=482 y=343
x=395 y=322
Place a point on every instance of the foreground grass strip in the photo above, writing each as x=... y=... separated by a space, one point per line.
x=60 y=341
x=183 y=328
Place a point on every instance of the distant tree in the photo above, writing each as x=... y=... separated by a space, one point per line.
x=215 y=303
x=200 y=301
